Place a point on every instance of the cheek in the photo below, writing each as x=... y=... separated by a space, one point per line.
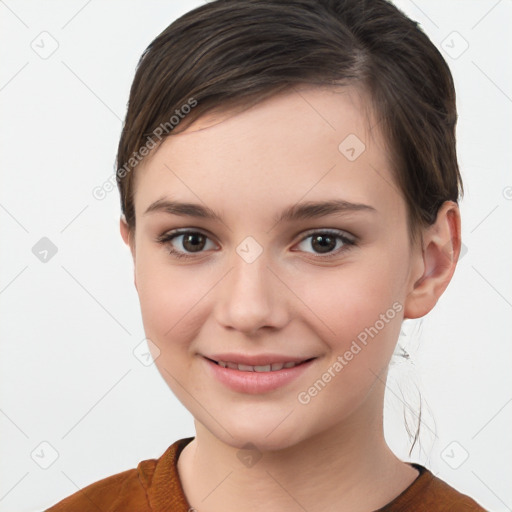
x=359 y=319
x=353 y=297
x=170 y=299
x=173 y=314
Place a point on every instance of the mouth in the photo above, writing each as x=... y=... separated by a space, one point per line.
x=268 y=372
x=270 y=367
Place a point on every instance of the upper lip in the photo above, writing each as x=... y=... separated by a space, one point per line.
x=257 y=360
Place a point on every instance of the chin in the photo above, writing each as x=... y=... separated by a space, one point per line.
x=260 y=435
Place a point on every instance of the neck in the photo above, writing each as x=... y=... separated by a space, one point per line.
x=348 y=467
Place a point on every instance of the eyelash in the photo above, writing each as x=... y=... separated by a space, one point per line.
x=348 y=243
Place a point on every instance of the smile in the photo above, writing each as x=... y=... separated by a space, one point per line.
x=258 y=378
x=273 y=367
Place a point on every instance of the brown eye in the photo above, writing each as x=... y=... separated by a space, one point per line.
x=323 y=243
x=194 y=242
x=183 y=244
x=329 y=243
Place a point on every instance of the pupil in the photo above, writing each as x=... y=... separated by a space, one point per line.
x=192 y=239
x=326 y=246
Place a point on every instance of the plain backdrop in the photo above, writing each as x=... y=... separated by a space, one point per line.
x=78 y=402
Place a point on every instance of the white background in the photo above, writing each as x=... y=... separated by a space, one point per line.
x=69 y=326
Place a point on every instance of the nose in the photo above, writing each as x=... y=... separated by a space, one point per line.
x=252 y=297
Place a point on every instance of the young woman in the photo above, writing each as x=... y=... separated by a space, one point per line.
x=289 y=187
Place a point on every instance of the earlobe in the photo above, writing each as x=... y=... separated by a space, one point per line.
x=440 y=252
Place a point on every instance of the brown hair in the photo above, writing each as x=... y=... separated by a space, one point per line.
x=232 y=51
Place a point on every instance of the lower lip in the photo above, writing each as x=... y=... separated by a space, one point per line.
x=256 y=382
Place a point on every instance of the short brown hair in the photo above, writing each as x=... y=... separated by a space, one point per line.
x=228 y=51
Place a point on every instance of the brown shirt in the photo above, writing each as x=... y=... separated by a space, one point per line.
x=154 y=486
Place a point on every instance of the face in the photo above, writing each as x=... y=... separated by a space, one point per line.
x=271 y=278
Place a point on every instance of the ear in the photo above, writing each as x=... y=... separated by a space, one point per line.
x=127 y=235
x=435 y=263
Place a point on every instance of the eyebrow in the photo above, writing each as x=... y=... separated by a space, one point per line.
x=299 y=211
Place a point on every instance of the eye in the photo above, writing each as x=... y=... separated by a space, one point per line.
x=325 y=242
x=329 y=242
x=192 y=242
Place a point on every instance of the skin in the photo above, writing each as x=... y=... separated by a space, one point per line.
x=329 y=454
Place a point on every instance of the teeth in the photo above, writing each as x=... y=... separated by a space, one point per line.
x=248 y=368
x=265 y=368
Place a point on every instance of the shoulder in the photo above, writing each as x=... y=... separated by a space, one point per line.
x=431 y=494
x=127 y=490
x=450 y=499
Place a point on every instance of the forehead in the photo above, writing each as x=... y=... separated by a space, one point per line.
x=306 y=140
